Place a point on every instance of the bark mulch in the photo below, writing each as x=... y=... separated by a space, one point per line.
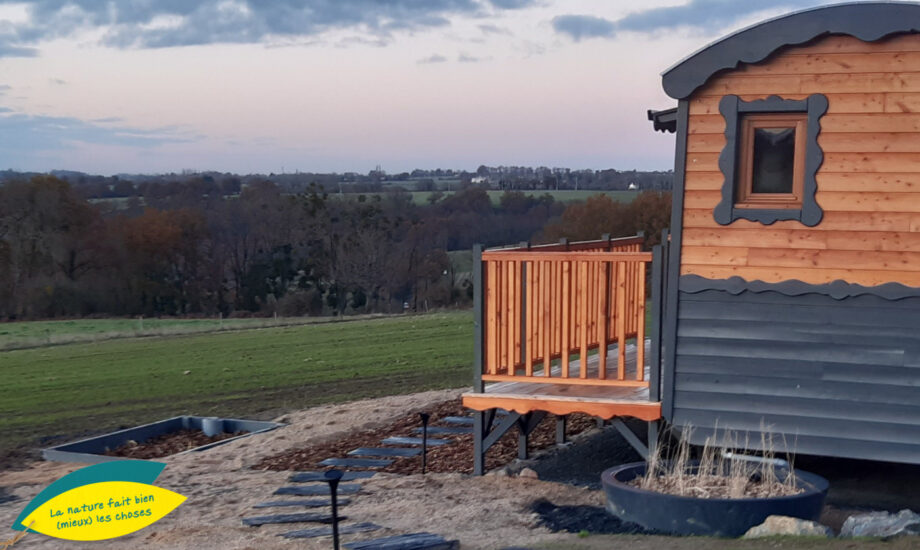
x=456 y=457
x=168 y=444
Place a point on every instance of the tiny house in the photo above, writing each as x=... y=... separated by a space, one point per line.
x=787 y=296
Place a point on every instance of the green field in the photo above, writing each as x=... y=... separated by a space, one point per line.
x=421 y=197
x=31 y=334
x=55 y=393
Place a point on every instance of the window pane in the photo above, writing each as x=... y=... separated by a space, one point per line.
x=774 y=160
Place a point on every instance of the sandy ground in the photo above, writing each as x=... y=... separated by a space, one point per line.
x=482 y=512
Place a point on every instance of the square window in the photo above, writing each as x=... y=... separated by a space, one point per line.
x=771 y=159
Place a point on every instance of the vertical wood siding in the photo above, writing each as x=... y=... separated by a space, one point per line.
x=868 y=185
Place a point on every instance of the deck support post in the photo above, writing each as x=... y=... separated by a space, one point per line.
x=484 y=435
x=526 y=425
x=561 y=421
x=630 y=438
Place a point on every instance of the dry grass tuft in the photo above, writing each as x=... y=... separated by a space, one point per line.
x=721 y=471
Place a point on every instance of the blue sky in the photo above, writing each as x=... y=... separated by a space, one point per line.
x=344 y=85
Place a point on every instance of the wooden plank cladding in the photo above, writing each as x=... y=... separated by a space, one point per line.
x=868 y=184
x=546 y=304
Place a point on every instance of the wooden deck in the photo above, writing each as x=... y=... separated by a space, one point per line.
x=630 y=398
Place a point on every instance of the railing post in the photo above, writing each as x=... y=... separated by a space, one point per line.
x=654 y=392
x=479 y=325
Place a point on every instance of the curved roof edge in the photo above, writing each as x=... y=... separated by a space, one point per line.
x=867 y=21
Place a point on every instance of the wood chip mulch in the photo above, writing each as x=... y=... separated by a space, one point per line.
x=456 y=457
x=168 y=444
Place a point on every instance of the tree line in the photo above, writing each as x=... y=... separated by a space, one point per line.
x=191 y=250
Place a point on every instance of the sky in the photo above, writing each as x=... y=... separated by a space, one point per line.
x=272 y=86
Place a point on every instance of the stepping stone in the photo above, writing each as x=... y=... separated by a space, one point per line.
x=312 y=503
x=463 y=420
x=318 y=490
x=306 y=477
x=386 y=451
x=441 y=430
x=432 y=442
x=288 y=518
x=356 y=462
x=413 y=541
x=327 y=531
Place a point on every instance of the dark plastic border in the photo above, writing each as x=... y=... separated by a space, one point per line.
x=731 y=107
x=91 y=450
x=867 y=21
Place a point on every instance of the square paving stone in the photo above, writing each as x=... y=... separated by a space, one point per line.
x=288 y=518
x=326 y=531
x=307 y=503
x=318 y=490
x=356 y=462
x=442 y=430
x=306 y=477
x=412 y=541
x=432 y=442
x=462 y=420
x=386 y=451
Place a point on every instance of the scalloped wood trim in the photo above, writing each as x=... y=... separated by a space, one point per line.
x=605 y=409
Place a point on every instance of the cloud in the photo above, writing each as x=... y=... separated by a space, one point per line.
x=706 y=15
x=436 y=58
x=57 y=81
x=174 y=23
x=466 y=58
x=27 y=133
x=579 y=27
x=494 y=29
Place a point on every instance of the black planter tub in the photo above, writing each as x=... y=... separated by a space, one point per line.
x=720 y=517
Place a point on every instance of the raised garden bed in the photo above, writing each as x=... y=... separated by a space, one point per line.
x=158 y=439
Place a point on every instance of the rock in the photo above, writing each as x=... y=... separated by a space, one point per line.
x=787 y=526
x=501 y=472
x=529 y=473
x=881 y=524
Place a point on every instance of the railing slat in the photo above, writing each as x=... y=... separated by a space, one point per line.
x=602 y=309
x=529 y=336
x=621 y=320
x=566 y=313
x=547 y=319
x=583 y=355
x=640 y=329
x=492 y=323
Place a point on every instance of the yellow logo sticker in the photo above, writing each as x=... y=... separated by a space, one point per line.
x=102 y=510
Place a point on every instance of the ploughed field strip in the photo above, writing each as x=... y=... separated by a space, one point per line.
x=314 y=484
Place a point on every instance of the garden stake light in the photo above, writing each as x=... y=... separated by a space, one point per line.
x=332 y=478
x=425 y=417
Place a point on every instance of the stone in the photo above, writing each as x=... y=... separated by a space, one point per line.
x=386 y=451
x=289 y=518
x=786 y=526
x=356 y=462
x=461 y=420
x=432 y=442
x=529 y=473
x=318 y=490
x=881 y=524
x=307 y=503
x=326 y=531
x=446 y=430
x=307 y=477
x=411 y=541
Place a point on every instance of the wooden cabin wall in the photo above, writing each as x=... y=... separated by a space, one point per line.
x=833 y=369
x=868 y=185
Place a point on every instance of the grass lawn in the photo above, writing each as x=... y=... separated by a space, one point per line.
x=55 y=393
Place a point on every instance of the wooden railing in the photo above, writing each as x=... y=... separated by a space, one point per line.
x=542 y=305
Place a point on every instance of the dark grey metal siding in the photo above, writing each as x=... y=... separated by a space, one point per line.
x=838 y=377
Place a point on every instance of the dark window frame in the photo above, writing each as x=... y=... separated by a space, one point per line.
x=733 y=110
